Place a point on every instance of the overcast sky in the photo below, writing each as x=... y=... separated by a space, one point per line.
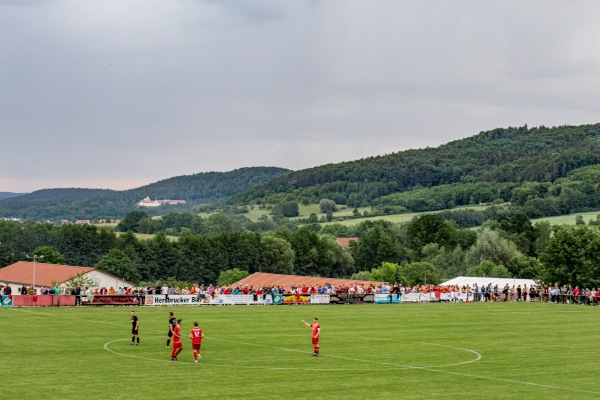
x=119 y=94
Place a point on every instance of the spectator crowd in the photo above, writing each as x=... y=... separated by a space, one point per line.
x=565 y=294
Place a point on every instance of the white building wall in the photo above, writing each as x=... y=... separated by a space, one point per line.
x=107 y=280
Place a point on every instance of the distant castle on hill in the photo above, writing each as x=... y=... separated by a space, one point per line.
x=156 y=203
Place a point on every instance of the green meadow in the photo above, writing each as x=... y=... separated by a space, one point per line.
x=569 y=219
x=370 y=351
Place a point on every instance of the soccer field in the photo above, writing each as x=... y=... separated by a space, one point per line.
x=414 y=351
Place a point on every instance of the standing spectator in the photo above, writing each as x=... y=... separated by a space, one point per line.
x=545 y=293
x=196 y=335
x=533 y=293
x=488 y=292
x=496 y=290
x=77 y=292
x=577 y=294
x=572 y=294
x=566 y=293
x=555 y=293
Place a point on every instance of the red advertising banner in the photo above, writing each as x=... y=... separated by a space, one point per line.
x=112 y=300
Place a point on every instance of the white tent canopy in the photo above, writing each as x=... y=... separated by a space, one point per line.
x=501 y=282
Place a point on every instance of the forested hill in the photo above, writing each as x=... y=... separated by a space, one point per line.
x=208 y=186
x=73 y=203
x=510 y=156
x=7 y=195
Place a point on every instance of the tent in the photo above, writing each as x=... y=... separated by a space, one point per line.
x=501 y=282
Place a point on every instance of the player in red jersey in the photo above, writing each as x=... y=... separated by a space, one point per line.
x=196 y=335
x=316 y=332
x=177 y=345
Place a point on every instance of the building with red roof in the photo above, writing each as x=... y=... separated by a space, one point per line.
x=40 y=274
x=263 y=279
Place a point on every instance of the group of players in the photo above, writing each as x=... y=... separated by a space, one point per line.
x=174 y=333
x=196 y=335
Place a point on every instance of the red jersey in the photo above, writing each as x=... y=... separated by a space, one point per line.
x=315 y=329
x=196 y=334
x=176 y=334
x=315 y=334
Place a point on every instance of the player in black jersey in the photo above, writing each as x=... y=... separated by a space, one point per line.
x=135 y=326
x=172 y=324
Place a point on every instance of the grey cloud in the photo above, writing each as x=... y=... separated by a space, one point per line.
x=113 y=94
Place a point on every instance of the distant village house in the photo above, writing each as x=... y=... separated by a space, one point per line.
x=345 y=242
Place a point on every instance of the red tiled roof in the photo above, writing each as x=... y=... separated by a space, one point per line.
x=21 y=272
x=344 y=242
x=263 y=279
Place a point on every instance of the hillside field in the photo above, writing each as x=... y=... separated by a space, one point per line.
x=305 y=210
x=568 y=219
x=414 y=351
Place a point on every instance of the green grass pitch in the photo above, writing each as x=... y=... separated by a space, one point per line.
x=413 y=351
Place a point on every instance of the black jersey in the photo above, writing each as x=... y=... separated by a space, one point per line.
x=172 y=323
x=134 y=320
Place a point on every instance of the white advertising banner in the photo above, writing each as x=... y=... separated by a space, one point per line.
x=319 y=299
x=426 y=297
x=417 y=297
x=235 y=299
x=195 y=300
x=456 y=296
x=175 y=300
